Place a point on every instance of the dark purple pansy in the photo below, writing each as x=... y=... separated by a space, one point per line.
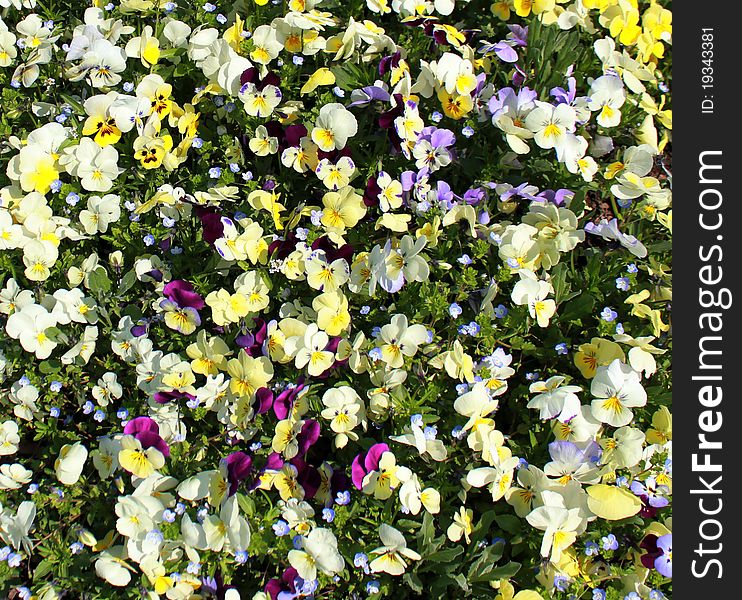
x=371 y=193
x=211 y=223
x=308 y=435
x=264 y=397
x=285 y=584
x=252 y=341
x=285 y=400
x=165 y=397
x=388 y=63
x=308 y=477
x=323 y=243
x=252 y=75
x=281 y=248
x=147 y=431
x=658 y=553
x=366 y=462
x=239 y=465
x=138 y=330
x=181 y=292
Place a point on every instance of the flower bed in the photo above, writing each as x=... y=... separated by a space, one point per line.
x=335 y=299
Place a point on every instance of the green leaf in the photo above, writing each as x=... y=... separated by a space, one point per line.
x=43 y=568
x=127 y=281
x=414 y=582
x=509 y=523
x=493 y=574
x=99 y=282
x=447 y=555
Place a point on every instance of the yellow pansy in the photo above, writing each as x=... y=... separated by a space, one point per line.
x=342 y=209
x=454 y=105
x=208 y=354
x=138 y=461
x=599 y=352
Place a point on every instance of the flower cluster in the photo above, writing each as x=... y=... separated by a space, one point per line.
x=344 y=300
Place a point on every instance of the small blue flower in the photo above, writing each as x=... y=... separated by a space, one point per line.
x=340 y=93
x=561 y=582
x=462 y=388
x=373 y=587
x=88 y=407
x=193 y=568
x=328 y=515
x=375 y=353
x=221 y=18
x=365 y=309
x=170 y=7
x=76 y=547
x=128 y=86
x=531 y=376
x=561 y=348
x=240 y=557
x=55 y=386
x=4 y=552
x=281 y=528
x=155 y=536
x=215 y=172
x=458 y=432
x=148 y=239
x=342 y=498
x=608 y=314
x=598 y=594
x=360 y=560
x=197 y=142
x=247 y=176
x=24 y=381
x=609 y=542
x=501 y=311
x=465 y=259
x=14 y=560
x=619 y=328
x=255 y=446
x=467 y=132
x=54 y=412
x=32 y=488
x=169 y=515
x=632 y=268
x=315 y=217
x=296 y=542
x=591 y=548
x=209 y=7
x=99 y=415
x=298 y=60
x=24 y=593
x=455 y=310
x=168 y=222
x=436 y=117
x=623 y=283
x=180 y=508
